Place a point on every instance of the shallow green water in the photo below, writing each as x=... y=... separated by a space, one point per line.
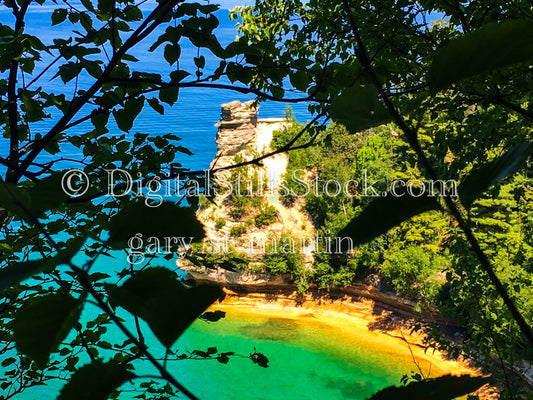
x=308 y=360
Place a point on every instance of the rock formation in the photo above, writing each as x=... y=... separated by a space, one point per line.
x=242 y=135
x=237 y=131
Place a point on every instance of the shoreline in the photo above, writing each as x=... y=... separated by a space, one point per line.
x=374 y=323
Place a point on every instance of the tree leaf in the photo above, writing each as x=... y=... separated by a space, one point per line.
x=59 y=15
x=446 y=387
x=154 y=103
x=15 y=200
x=358 y=108
x=126 y=117
x=95 y=381
x=493 y=46
x=213 y=316
x=17 y=272
x=259 y=359
x=169 y=95
x=41 y=324
x=165 y=220
x=47 y=194
x=30 y=203
x=223 y=359
x=383 y=214
x=156 y=295
x=300 y=80
x=482 y=178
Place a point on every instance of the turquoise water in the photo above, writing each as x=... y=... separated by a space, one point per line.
x=308 y=360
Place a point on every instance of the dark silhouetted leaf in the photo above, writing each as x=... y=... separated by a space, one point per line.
x=201 y=353
x=126 y=116
x=383 y=214
x=15 y=200
x=165 y=220
x=41 y=324
x=47 y=194
x=156 y=295
x=213 y=316
x=17 y=272
x=169 y=95
x=259 y=359
x=493 y=46
x=156 y=105
x=223 y=359
x=95 y=381
x=358 y=108
x=30 y=203
x=482 y=178
x=59 y=15
x=446 y=387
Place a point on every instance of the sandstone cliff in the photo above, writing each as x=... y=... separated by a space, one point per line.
x=241 y=136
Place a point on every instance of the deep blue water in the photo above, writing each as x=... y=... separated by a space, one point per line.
x=191 y=118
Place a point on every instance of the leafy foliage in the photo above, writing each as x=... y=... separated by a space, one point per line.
x=457 y=90
x=109 y=376
x=41 y=325
x=157 y=296
x=446 y=387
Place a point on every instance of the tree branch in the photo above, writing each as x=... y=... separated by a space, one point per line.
x=19 y=14
x=256 y=161
x=141 y=32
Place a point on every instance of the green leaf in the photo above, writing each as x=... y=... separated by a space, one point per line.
x=17 y=272
x=92 y=67
x=88 y=4
x=69 y=71
x=169 y=95
x=15 y=200
x=223 y=359
x=41 y=324
x=493 y=46
x=165 y=220
x=358 y=108
x=48 y=194
x=383 y=214
x=95 y=381
x=8 y=361
x=213 y=316
x=126 y=117
x=156 y=295
x=30 y=203
x=482 y=178
x=259 y=359
x=59 y=15
x=199 y=62
x=446 y=387
x=132 y=13
x=154 y=103
x=300 y=80
x=172 y=53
